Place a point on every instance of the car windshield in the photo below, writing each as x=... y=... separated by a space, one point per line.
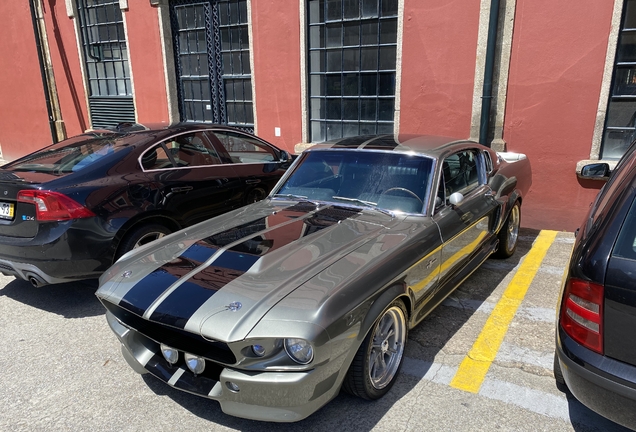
x=69 y=155
x=389 y=181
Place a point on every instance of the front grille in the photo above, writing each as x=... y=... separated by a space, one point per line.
x=174 y=337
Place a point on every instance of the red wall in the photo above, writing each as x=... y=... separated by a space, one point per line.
x=276 y=42
x=439 y=52
x=24 y=123
x=147 y=68
x=558 y=55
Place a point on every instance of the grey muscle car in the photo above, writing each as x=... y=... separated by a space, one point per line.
x=271 y=309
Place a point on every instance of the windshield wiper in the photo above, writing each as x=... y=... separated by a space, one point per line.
x=365 y=204
x=292 y=196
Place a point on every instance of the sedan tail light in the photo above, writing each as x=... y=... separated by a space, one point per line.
x=53 y=206
x=582 y=313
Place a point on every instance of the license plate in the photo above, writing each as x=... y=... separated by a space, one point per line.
x=6 y=210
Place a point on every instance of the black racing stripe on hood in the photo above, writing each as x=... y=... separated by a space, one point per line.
x=179 y=306
x=146 y=291
x=184 y=301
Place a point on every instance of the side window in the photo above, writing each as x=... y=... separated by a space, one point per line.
x=245 y=149
x=626 y=243
x=460 y=172
x=156 y=158
x=189 y=150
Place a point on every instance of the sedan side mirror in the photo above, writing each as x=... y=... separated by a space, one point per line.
x=597 y=171
x=285 y=156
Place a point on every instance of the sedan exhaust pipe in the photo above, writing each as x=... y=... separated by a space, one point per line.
x=36 y=281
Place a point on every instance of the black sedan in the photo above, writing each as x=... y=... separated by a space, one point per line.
x=68 y=211
x=595 y=338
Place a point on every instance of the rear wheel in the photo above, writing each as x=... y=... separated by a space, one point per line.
x=558 y=374
x=255 y=195
x=141 y=235
x=509 y=233
x=377 y=363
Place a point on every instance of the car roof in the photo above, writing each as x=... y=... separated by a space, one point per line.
x=156 y=131
x=430 y=145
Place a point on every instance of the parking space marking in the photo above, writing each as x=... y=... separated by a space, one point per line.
x=533 y=313
x=472 y=371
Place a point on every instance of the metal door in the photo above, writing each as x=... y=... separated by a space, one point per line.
x=211 y=49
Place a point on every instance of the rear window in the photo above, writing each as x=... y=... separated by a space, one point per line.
x=70 y=155
x=626 y=243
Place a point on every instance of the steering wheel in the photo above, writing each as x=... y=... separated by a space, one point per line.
x=403 y=190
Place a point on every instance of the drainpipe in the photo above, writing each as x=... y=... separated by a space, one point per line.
x=46 y=71
x=486 y=98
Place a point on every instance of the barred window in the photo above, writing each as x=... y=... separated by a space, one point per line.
x=620 y=121
x=352 y=63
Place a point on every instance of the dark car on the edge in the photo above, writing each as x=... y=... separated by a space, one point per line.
x=69 y=210
x=596 y=329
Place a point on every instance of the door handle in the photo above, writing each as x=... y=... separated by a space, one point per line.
x=181 y=189
x=466 y=217
x=252 y=181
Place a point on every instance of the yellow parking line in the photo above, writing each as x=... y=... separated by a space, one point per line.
x=473 y=369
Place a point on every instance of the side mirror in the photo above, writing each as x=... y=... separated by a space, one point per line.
x=285 y=156
x=598 y=171
x=456 y=198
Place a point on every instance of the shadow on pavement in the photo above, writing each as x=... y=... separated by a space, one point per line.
x=70 y=300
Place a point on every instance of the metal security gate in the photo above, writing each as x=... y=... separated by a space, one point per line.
x=212 y=58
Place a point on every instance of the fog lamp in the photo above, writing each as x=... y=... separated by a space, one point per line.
x=232 y=386
x=170 y=354
x=195 y=364
x=258 y=350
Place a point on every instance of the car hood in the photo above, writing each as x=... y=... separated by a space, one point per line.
x=219 y=278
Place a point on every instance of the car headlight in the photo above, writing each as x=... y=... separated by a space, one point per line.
x=299 y=350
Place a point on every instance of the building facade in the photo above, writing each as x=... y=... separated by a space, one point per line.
x=553 y=80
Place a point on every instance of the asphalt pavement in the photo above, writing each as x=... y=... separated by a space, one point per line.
x=482 y=361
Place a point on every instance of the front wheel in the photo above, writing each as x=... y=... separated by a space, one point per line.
x=378 y=360
x=509 y=233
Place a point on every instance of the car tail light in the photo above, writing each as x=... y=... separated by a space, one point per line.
x=53 y=206
x=582 y=313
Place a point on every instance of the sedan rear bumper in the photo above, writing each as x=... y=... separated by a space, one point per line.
x=592 y=379
x=266 y=396
x=60 y=252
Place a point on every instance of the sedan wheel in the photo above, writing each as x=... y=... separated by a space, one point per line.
x=509 y=233
x=377 y=362
x=140 y=236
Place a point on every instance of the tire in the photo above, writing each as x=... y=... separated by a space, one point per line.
x=141 y=235
x=255 y=195
x=558 y=374
x=379 y=359
x=509 y=233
